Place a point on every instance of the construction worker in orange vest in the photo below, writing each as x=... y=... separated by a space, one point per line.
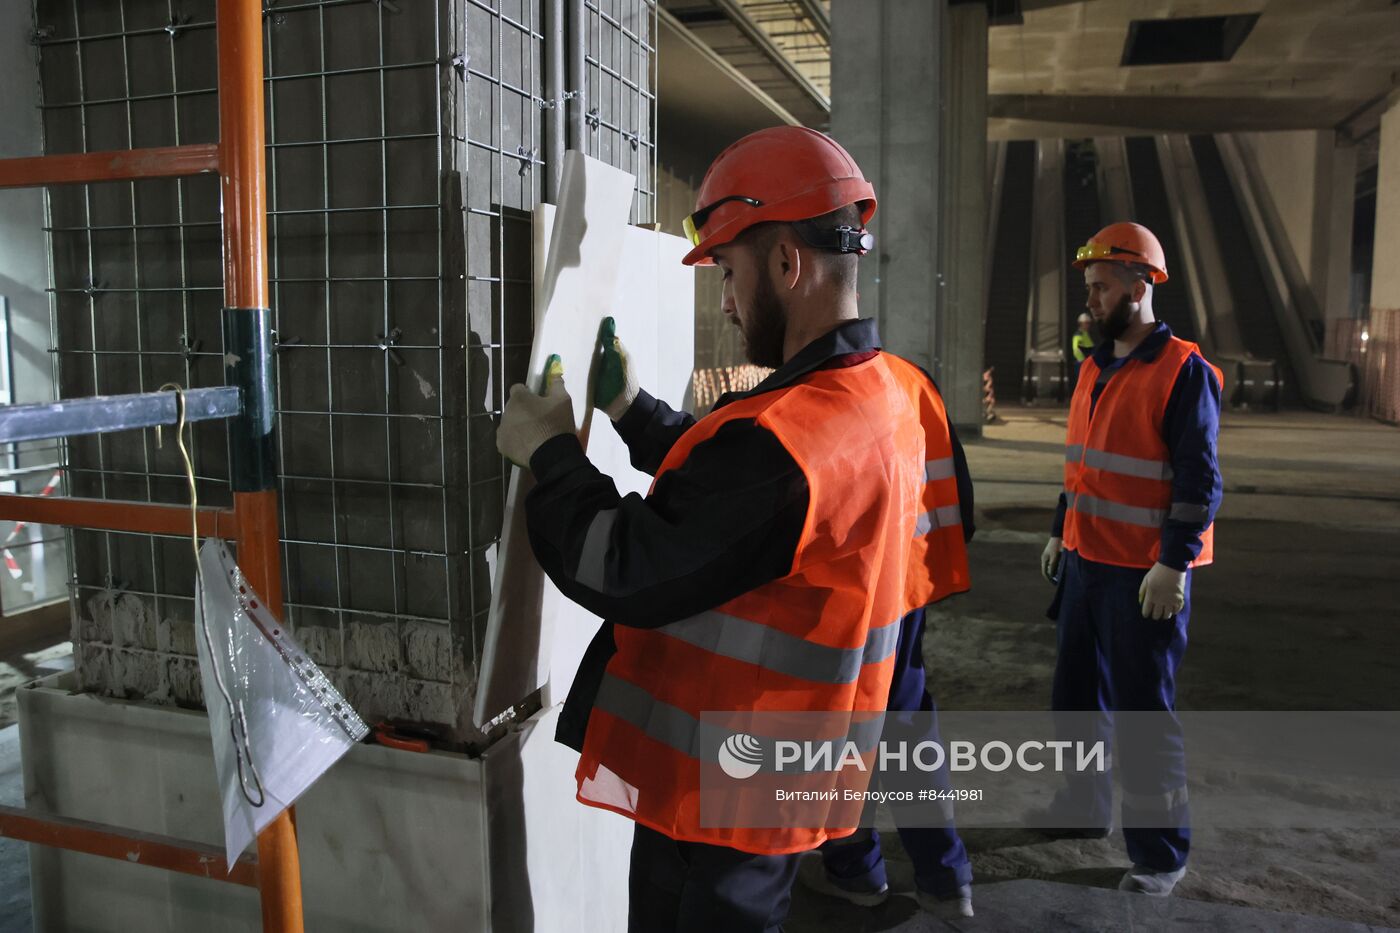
x=785 y=537
x=1142 y=486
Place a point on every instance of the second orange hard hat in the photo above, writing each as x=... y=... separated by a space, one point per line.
x=1128 y=244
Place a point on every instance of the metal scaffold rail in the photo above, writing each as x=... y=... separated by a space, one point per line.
x=248 y=402
x=101 y=414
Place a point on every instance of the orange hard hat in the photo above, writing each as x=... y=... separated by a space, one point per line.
x=1128 y=244
x=783 y=173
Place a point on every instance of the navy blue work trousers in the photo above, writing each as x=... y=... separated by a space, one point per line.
x=691 y=887
x=1112 y=659
x=941 y=863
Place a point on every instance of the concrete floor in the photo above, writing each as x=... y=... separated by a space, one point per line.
x=1297 y=613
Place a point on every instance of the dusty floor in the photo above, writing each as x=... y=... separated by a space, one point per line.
x=1298 y=613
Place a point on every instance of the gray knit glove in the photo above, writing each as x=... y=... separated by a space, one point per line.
x=529 y=419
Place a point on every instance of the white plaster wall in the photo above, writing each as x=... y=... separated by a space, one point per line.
x=1385 y=271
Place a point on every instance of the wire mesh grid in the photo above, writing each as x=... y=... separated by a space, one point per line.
x=619 y=77
x=403 y=157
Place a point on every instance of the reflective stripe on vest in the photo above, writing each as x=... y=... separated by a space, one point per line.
x=763 y=646
x=1118 y=463
x=1117 y=468
x=684 y=733
x=820 y=640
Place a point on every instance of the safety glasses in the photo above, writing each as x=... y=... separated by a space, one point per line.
x=696 y=221
x=1091 y=251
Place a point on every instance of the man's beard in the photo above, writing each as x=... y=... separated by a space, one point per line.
x=1117 y=322
x=764 y=327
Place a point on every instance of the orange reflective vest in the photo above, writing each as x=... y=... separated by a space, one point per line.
x=1117 y=466
x=938 y=561
x=820 y=640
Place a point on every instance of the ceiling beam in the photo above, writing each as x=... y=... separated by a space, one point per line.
x=755 y=34
x=1156 y=114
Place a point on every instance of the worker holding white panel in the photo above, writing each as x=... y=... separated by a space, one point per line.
x=784 y=540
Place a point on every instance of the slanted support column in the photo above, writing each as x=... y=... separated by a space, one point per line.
x=909 y=101
x=1385 y=271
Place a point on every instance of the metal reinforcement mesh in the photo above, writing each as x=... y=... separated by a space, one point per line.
x=404 y=155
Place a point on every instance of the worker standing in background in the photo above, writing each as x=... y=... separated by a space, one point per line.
x=1082 y=343
x=770 y=564
x=1142 y=486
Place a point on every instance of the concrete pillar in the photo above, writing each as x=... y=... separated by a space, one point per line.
x=909 y=98
x=959 y=329
x=1332 y=266
x=1385 y=270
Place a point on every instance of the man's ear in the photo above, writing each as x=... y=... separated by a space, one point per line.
x=1139 y=290
x=787 y=261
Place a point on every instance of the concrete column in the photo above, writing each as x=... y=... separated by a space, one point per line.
x=1332 y=268
x=959 y=330
x=1385 y=270
x=909 y=91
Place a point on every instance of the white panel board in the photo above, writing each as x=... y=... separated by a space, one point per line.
x=535 y=637
x=655 y=314
x=555 y=863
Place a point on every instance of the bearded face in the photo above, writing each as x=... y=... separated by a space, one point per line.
x=1116 y=323
x=764 y=325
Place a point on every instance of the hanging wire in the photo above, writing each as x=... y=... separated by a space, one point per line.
x=237 y=718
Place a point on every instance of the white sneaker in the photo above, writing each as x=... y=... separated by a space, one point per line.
x=948 y=908
x=813 y=875
x=1143 y=880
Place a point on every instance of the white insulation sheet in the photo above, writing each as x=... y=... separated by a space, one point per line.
x=589 y=264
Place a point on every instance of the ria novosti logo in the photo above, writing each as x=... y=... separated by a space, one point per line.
x=741 y=756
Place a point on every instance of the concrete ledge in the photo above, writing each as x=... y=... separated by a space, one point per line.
x=390 y=840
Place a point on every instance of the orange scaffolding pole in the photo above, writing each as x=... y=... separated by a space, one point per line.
x=244 y=195
x=190 y=858
x=143 y=517
x=123 y=165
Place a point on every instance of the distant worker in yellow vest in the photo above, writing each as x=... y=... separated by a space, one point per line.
x=1082 y=343
x=786 y=536
x=1142 y=486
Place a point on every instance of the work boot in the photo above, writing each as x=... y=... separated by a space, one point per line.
x=1143 y=880
x=952 y=907
x=814 y=876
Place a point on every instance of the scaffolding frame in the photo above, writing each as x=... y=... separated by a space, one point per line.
x=238 y=159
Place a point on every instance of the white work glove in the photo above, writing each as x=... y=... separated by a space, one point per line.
x=529 y=419
x=1050 y=559
x=1163 y=592
x=615 y=388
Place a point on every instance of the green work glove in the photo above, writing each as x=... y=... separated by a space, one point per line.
x=529 y=419
x=616 y=387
